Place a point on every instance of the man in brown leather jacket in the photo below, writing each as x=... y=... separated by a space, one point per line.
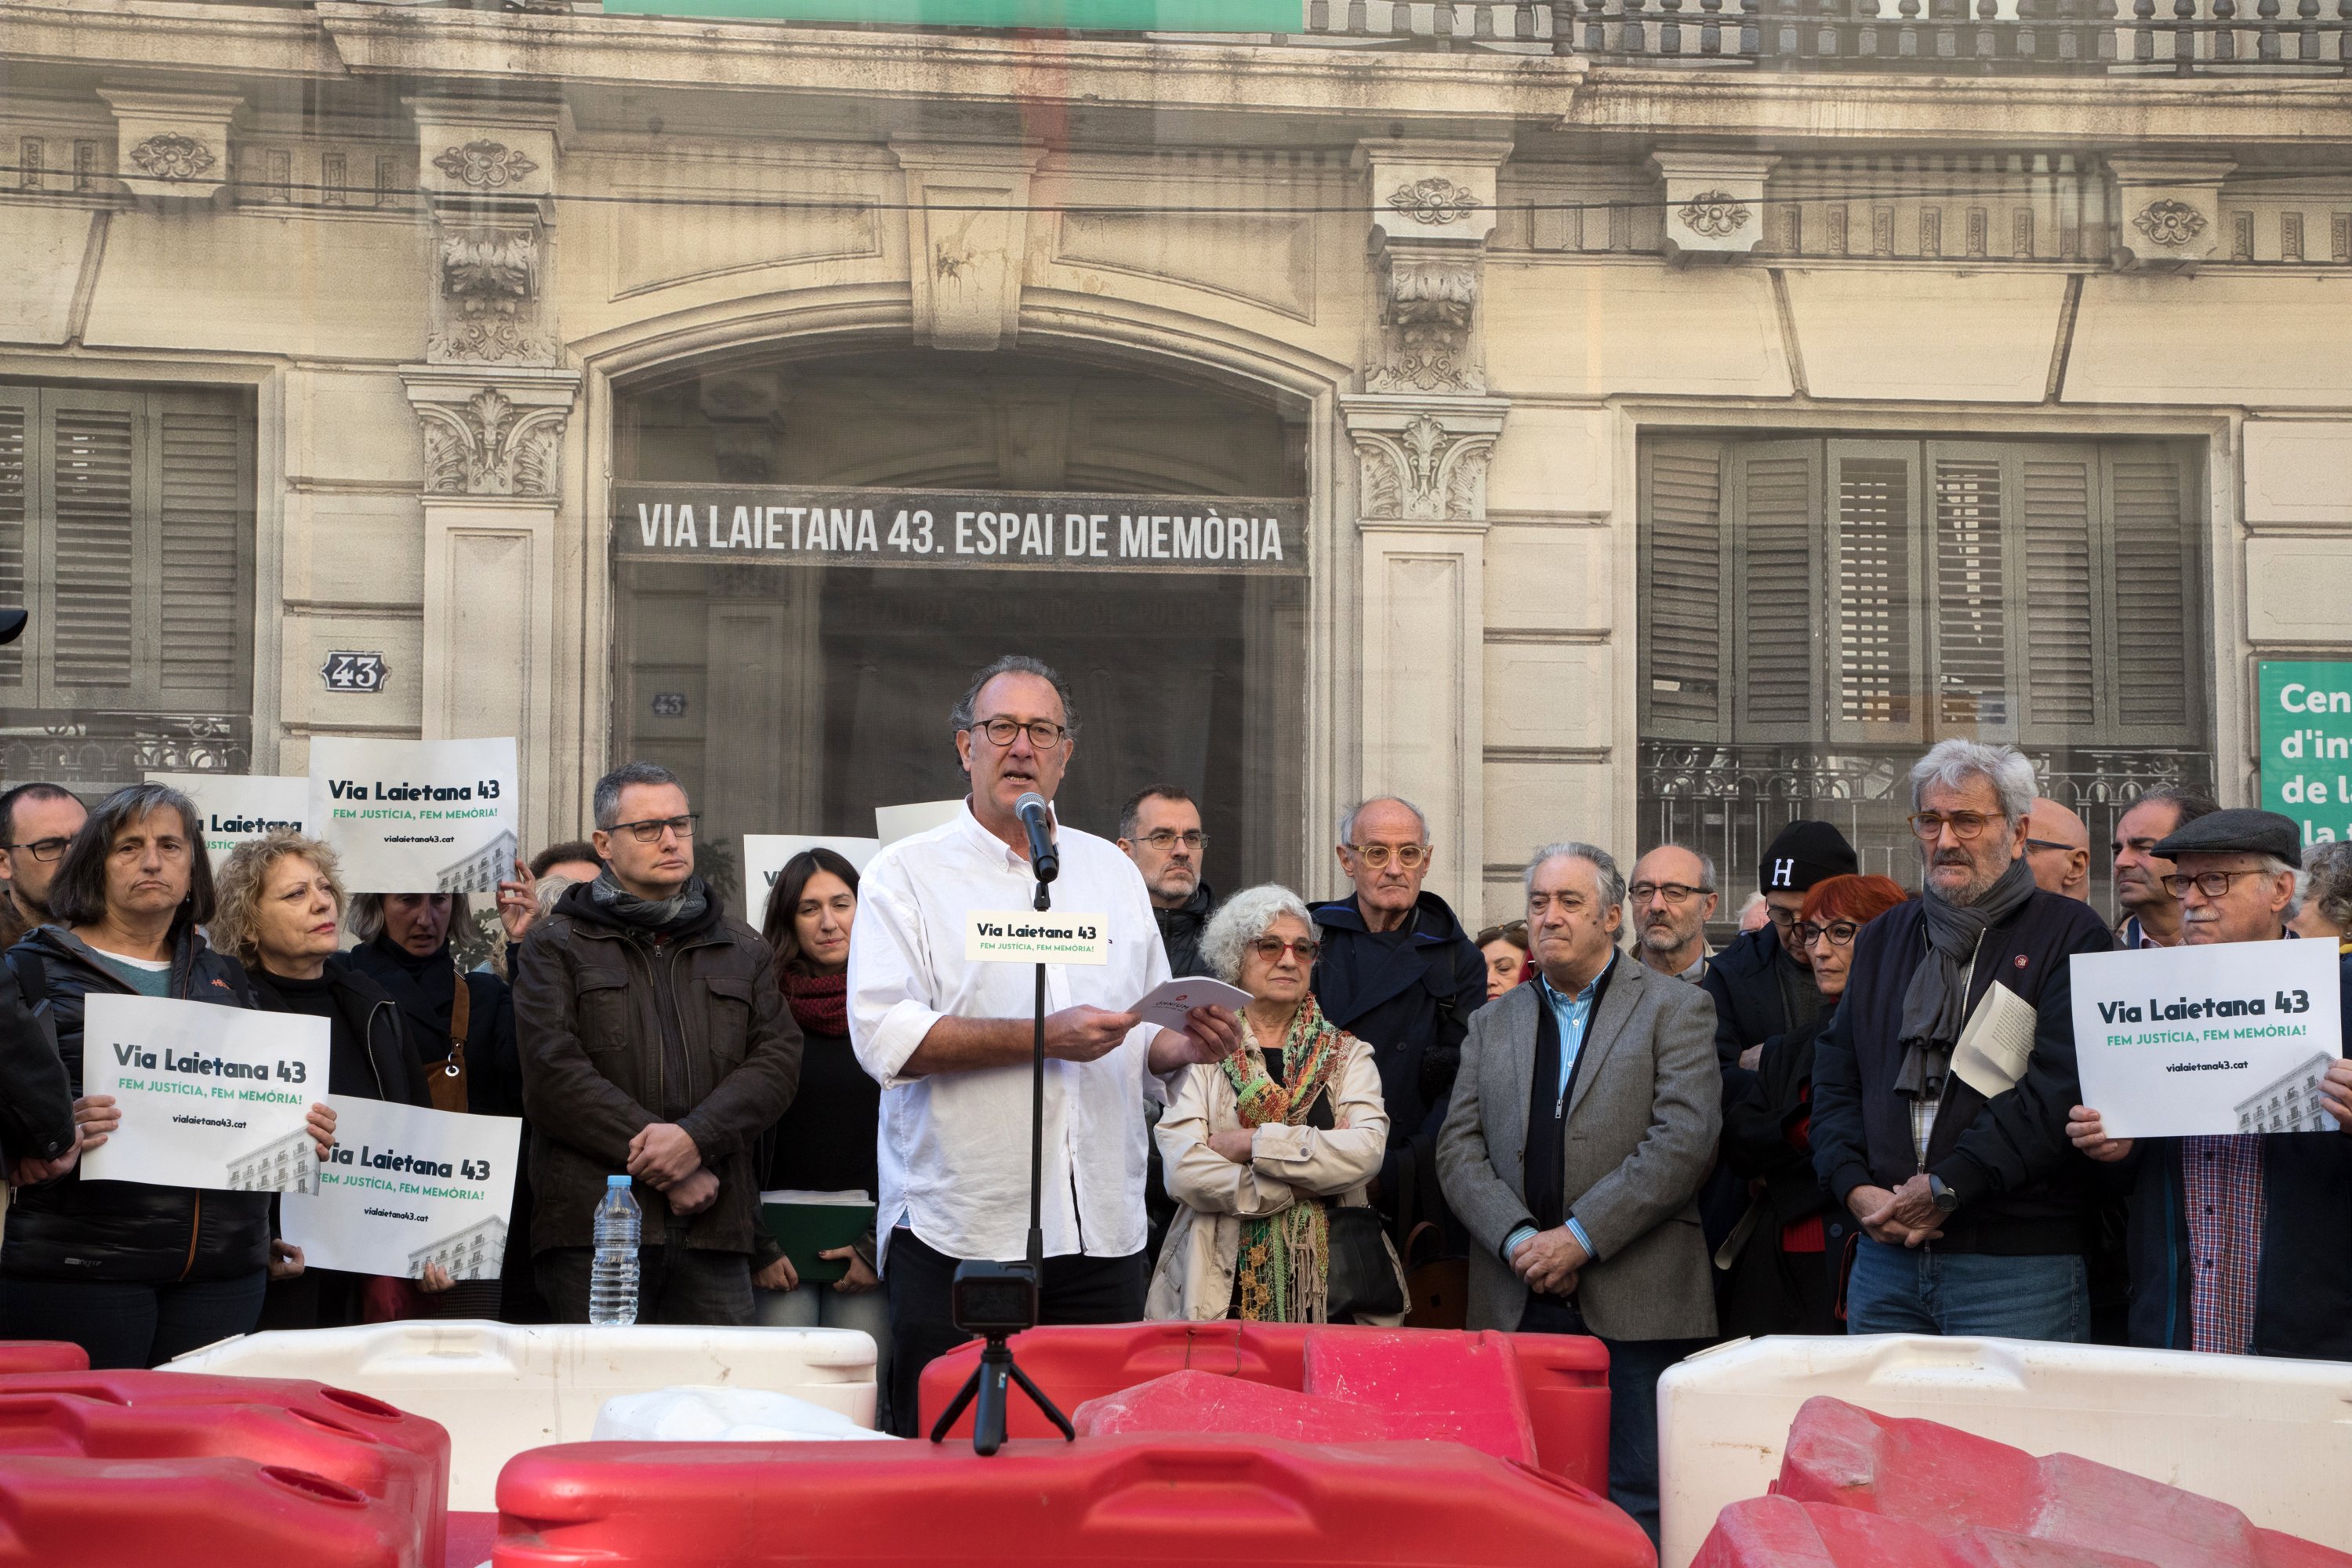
x=654 y=1041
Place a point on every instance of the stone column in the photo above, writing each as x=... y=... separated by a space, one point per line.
x=1421 y=433
x=493 y=400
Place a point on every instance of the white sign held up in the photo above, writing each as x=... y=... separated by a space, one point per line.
x=210 y=1096
x=418 y=817
x=404 y=1186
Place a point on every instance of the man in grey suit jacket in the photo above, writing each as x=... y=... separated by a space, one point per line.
x=1583 y=1121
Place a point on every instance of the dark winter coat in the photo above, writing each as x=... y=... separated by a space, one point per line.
x=1760 y=993
x=1180 y=931
x=2023 y=1188
x=1767 y=1136
x=424 y=993
x=366 y=1014
x=128 y=1233
x=621 y=1028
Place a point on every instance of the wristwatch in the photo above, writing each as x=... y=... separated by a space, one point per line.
x=1947 y=1200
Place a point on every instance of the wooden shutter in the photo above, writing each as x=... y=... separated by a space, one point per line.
x=1684 y=678
x=93 y=573
x=1971 y=571
x=204 y=491
x=1875 y=641
x=1777 y=501
x=19 y=425
x=2158 y=618
x=2058 y=491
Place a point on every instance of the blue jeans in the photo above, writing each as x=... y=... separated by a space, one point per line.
x=1907 y=1290
x=1635 y=1368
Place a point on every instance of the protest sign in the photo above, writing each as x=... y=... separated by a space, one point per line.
x=764 y=855
x=2223 y=1037
x=418 y=817
x=210 y=1096
x=404 y=1186
x=235 y=807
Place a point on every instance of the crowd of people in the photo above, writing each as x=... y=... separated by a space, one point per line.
x=1587 y=1120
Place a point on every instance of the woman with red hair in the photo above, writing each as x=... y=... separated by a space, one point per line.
x=1790 y=1249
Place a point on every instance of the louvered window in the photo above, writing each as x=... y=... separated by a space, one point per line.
x=1862 y=599
x=126 y=527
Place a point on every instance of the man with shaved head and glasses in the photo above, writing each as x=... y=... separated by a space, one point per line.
x=1399 y=971
x=1974 y=1211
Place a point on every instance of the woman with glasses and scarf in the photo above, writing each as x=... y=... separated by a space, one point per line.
x=461 y=1025
x=1266 y=1150
x=1787 y=1251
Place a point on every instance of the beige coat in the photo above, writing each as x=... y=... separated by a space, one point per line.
x=1213 y=1196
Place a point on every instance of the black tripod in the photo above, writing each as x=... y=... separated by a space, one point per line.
x=997 y=1301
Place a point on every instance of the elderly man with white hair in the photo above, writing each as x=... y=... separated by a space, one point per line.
x=1268 y=1152
x=1973 y=1207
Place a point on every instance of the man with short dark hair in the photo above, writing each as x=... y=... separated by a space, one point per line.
x=1974 y=1211
x=1159 y=830
x=2151 y=915
x=1763 y=983
x=654 y=1042
x=2238 y=1240
x=38 y=820
x=574 y=858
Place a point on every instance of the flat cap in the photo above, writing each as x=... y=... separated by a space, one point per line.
x=2238 y=831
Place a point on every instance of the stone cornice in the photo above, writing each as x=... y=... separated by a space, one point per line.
x=142 y=35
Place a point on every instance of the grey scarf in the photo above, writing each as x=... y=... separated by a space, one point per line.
x=1935 y=1003
x=652 y=915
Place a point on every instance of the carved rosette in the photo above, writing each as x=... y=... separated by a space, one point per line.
x=1715 y=214
x=2171 y=224
x=485 y=165
x=174 y=157
x=490 y=445
x=1425 y=470
x=1434 y=201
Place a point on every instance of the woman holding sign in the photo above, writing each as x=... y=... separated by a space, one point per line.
x=134 y=1273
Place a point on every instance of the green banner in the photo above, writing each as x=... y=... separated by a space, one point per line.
x=1082 y=15
x=2307 y=728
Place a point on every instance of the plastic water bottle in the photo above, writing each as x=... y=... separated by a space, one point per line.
x=613 y=1279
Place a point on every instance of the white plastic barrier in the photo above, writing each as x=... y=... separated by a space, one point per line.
x=500 y=1388
x=2271 y=1437
x=725 y=1416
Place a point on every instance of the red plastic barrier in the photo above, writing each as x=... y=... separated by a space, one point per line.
x=1200 y=1402
x=1237 y=1502
x=398 y=1464
x=180 y=1513
x=1452 y=1387
x=1563 y=1380
x=42 y=1355
x=1777 y=1532
x=1948 y=1482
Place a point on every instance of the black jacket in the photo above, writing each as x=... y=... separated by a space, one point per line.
x=1766 y=1137
x=2302 y=1289
x=35 y=1098
x=493 y=1061
x=1410 y=998
x=126 y=1232
x=2023 y=1188
x=621 y=1029
x=1180 y=931
x=365 y=1013
x=1760 y=993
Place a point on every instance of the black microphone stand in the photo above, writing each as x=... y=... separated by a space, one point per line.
x=988 y=1381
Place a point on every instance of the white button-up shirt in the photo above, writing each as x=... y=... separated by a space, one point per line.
x=954 y=1146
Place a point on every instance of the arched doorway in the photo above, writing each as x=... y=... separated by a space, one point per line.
x=895 y=519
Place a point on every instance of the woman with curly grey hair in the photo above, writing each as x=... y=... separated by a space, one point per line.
x=2326 y=910
x=1268 y=1152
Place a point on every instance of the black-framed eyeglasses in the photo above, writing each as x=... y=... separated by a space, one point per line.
x=1376 y=856
x=1840 y=933
x=1672 y=892
x=1167 y=838
x=1784 y=920
x=2212 y=884
x=650 y=830
x=42 y=849
x=2051 y=844
x=1043 y=733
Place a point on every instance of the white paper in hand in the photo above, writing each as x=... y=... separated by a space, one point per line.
x=1167 y=1003
x=1997 y=1044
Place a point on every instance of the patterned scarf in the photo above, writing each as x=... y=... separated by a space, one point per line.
x=820 y=1002
x=1285 y=1264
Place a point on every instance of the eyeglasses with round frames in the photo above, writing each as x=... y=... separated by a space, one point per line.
x=1929 y=825
x=42 y=849
x=650 y=830
x=1272 y=948
x=1840 y=933
x=1376 y=856
x=2212 y=884
x=1672 y=892
x=1043 y=733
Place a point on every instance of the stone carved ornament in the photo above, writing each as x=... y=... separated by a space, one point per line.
x=485 y=165
x=2170 y=223
x=1431 y=302
x=1424 y=472
x=171 y=156
x=1714 y=213
x=489 y=278
x=487 y=446
x=1435 y=201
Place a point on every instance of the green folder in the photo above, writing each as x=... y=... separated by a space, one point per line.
x=806 y=1224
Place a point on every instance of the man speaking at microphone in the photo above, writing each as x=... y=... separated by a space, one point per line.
x=950 y=1042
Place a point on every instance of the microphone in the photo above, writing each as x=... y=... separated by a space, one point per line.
x=1044 y=860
